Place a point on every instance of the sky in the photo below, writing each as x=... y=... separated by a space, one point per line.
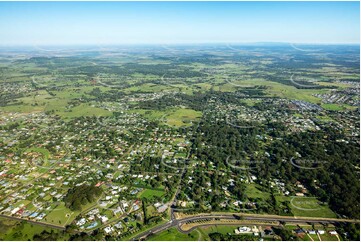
x=77 y=23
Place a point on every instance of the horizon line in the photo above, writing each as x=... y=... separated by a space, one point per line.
x=181 y=43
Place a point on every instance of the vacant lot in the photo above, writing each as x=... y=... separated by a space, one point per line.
x=182 y=117
x=148 y=193
x=310 y=207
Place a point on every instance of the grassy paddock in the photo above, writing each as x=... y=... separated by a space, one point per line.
x=174 y=235
x=176 y=117
x=15 y=230
x=183 y=117
x=148 y=193
x=253 y=191
x=310 y=207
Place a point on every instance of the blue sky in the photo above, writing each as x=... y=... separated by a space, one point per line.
x=66 y=23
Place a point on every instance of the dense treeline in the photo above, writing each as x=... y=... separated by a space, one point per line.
x=198 y=101
x=81 y=195
x=333 y=163
x=335 y=175
x=232 y=237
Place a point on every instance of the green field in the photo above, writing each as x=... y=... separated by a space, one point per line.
x=325 y=118
x=148 y=87
x=42 y=101
x=254 y=191
x=182 y=117
x=151 y=211
x=310 y=207
x=61 y=215
x=223 y=229
x=84 y=110
x=15 y=230
x=43 y=151
x=174 y=235
x=176 y=117
x=150 y=114
x=148 y=193
x=274 y=89
x=332 y=107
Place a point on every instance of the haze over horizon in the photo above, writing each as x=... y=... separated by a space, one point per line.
x=123 y=23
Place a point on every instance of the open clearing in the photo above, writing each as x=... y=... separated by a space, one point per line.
x=148 y=193
x=174 y=235
x=310 y=207
x=176 y=117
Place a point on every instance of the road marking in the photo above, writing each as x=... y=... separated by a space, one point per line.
x=309 y=236
x=319 y=237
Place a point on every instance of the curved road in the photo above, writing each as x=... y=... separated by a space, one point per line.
x=269 y=218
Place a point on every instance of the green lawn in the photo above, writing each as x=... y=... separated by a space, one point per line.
x=183 y=117
x=43 y=151
x=150 y=114
x=338 y=107
x=41 y=101
x=148 y=87
x=310 y=207
x=204 y=86
x=332 y=107
x=180 y=155
x=224 y=229
x=325 y=118
x=59 y=215
x=176 y=117
x=274 y=89
x=329 y=237
x=151 y=211
x=15 y=230
x=24 y=203
x=174 y=235
x=148 y=193
x=24 y=108
x=62 y=215
x=250 y=102
x=253 y=191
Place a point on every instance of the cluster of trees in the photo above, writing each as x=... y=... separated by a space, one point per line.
x=172 y=70
x=285 y=234
x=334 y=175
x=95 y=235
x=100 y=96
x=216 y=236
x=225 y=140
x=169 y=184
x=334 y=163
x=10 y=126
x=56 y=63
x=81 y=195
x=46 y=236
x=196 y=190
x=148 y=164
x=198 y=101
x=204 y=58
x=349 y=231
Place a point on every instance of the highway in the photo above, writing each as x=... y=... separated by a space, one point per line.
x=229 y=216
x=266 y=218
